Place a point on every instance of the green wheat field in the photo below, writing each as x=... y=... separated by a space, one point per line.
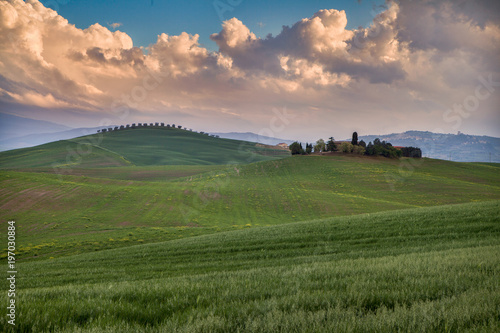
x=166 y=230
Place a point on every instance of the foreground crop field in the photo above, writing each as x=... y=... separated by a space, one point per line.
x=127 y=239
x=431 y=269
x=105 y=208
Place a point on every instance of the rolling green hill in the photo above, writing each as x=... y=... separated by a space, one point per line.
x=139 y=147
x=62 y=215
x=417 y=270
x=167 y=230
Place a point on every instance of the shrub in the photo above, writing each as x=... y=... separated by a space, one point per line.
x=320 y=146
x=346 y=147
x=359 y=150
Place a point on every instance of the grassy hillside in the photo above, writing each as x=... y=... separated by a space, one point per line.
x=155 y=173
x=70 y=214
x=141 y=230
x=60 y=154
x=418 y=270
x=139 y=147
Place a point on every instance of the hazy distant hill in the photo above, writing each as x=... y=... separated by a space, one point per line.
x=41 y=138
x=252 y=137
x=457 y=147
x=14 y=126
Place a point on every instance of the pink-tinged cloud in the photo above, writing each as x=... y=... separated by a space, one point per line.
x=115 y=25
x=405 y=71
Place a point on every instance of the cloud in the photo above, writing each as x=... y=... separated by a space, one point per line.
x=321 y=41
x=133 y=57
x=177 y=55
x=115 y=25
x=416 y=60
x=44 y=101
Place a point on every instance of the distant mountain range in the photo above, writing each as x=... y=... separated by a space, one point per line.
x=14 y=126
x=20 y=132
x=252 y=137
x=41 y=138
x=455 y=147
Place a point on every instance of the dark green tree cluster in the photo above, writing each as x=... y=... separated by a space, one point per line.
x=330 y=145
x=411 y=152
x=320 y=146
x=296 y=148
x=382 y=148
x=309 y=148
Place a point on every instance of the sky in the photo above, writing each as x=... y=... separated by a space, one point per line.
x=144 y=20
x=291 y=69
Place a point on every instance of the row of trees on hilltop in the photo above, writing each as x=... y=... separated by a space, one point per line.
x=377 y=148
x=150 y=125
x=128 y=126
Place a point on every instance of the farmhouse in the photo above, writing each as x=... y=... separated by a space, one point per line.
x=282 y=145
